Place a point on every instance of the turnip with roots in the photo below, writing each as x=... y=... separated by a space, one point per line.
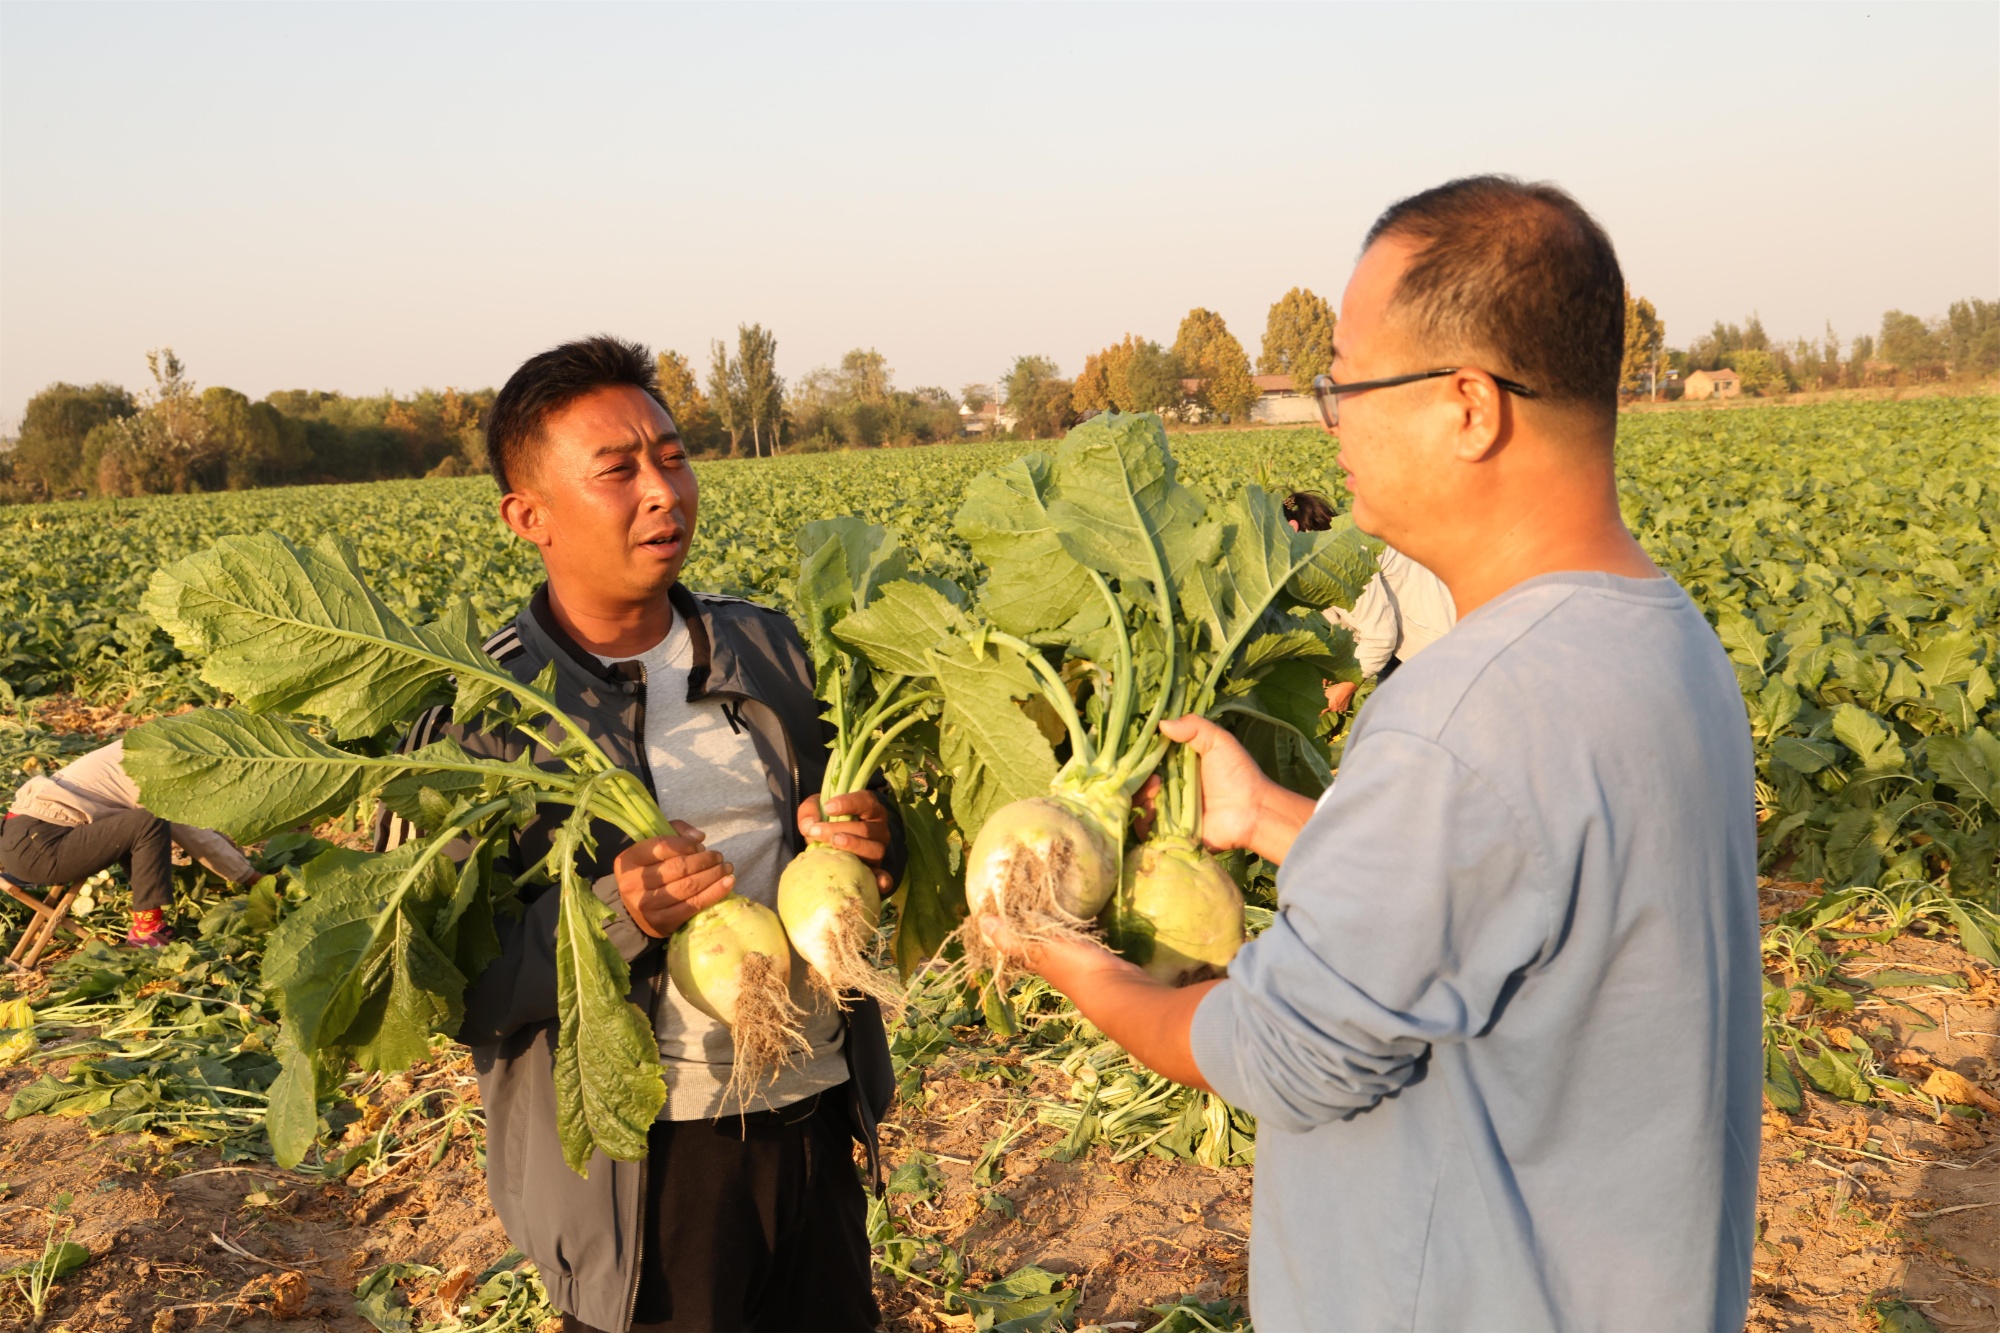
x=828 y=899
x=732 y=962
x=1178 y=913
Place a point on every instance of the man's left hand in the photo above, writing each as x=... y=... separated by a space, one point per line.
x=857 y=823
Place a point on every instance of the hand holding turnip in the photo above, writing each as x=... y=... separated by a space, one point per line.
x=665 y=881
x=830 y=896
x=854 y=822
x=1240 y=807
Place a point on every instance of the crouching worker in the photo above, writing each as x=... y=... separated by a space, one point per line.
x=1404 y=609
x=87 y=816
x=741 y=1217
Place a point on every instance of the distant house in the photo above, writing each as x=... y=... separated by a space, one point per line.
x=1277 y=401
x=985 y=421
x=1712 y=384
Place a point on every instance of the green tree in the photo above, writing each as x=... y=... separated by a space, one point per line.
x=726 y=396
x=1025 y=377
x=48 y=456
x=170 y=445
x=700 y=431
x=1645 y=337
x=1211 y=353
x=866 y=376
x=1912 y=346
x=1972 y=333
x=763 y=389
x=1153 y=380
x=1760 y=371
x=259 y=446
x=857 y=404
x=976 y=396
x=1298 y=338
x=1038 y=398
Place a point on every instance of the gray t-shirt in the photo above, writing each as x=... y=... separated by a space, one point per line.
x=1503 y=1036
x=706 y=773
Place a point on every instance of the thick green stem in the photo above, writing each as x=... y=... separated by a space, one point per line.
x=861 y=762
x=1124 y=688
x=865 y=770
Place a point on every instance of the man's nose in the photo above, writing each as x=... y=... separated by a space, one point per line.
x=659 y=489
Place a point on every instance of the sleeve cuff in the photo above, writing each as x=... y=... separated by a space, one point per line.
x=621 y=930
x=1212 y=1043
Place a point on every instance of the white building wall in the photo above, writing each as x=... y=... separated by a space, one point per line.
x=1284 y=408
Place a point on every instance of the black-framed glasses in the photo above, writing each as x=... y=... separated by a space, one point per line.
x=1328 y=394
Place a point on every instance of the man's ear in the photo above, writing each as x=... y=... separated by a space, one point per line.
x=526 y=513
x=1481 y=409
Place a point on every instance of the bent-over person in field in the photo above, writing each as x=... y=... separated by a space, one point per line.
x=1404 y=609
x=747 y=1212
x=86 y=817
x=1502 y=1038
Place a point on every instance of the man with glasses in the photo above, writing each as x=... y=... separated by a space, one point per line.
x=1502 y=1038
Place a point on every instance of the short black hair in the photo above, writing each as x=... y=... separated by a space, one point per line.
x=1518 y=273
x=550 y=381
x=1312 y=511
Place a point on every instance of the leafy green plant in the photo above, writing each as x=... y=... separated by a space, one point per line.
x=376 y=961
x=59 y=1258
x=827 y=896
x=1113 y=597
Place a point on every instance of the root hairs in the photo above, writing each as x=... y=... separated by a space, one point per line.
x=1025 y=899
x=851 y=942
x=768 y=1030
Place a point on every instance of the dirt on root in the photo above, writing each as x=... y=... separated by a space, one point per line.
x=1894 y=1201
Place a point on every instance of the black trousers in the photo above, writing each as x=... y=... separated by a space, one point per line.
x=42 y=852
x=757 y=1227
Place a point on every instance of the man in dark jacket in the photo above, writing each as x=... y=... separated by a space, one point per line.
x=743 y=1216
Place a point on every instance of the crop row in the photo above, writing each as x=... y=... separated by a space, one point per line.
x=1846 y=553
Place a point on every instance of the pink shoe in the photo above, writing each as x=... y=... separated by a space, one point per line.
x=157 y=938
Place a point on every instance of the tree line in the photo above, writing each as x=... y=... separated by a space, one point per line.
x=1204 y=375
x=1963 y=344
x=102 y=440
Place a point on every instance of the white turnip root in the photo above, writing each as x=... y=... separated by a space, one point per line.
x=1044 y=866
x=830 y=907
x=1180 y=915
x=731 y=961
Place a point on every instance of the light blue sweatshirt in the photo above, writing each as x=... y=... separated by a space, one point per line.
x=1502 y=1039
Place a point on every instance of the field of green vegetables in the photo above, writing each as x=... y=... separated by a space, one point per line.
x=1846 y=553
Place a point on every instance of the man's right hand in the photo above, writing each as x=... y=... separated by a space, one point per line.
x=664 y=881
x=1240 y=807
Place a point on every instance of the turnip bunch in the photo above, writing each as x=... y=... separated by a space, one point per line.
x=827 y=896
x=377 y=960
x=1055 y=680
x=1257 y=655
x=1113 y=597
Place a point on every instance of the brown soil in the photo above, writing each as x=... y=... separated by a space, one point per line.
x=179 y=1241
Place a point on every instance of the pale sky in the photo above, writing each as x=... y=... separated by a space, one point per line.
x=371 y=196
